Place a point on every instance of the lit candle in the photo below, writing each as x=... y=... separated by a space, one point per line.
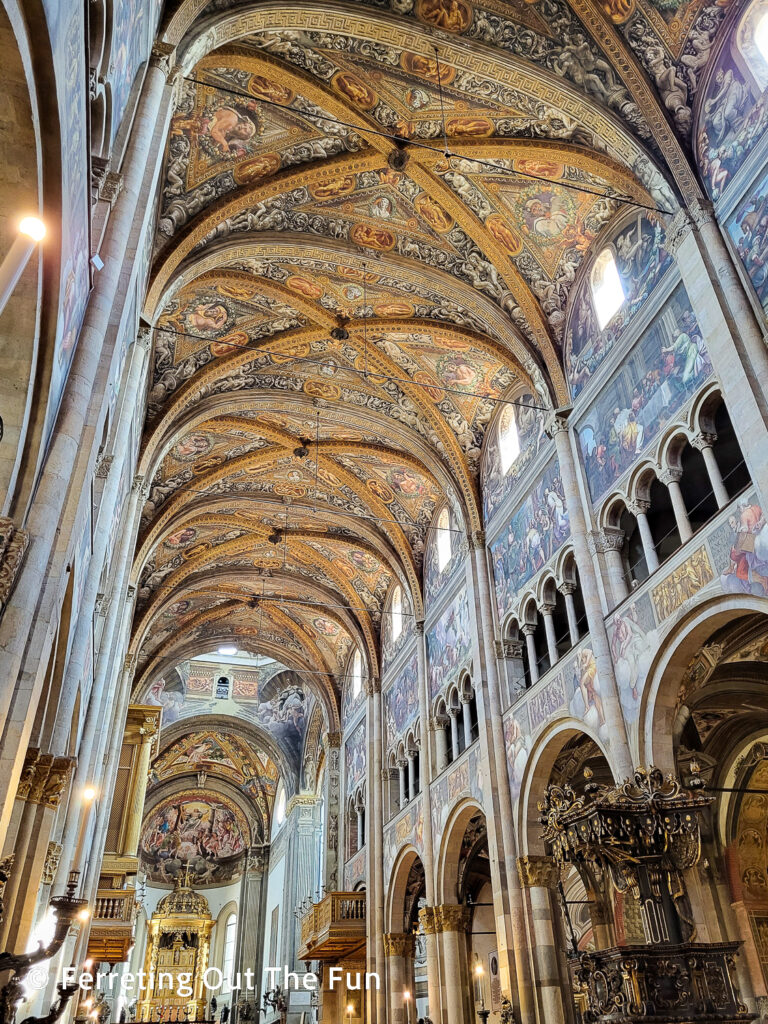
x=31 y=231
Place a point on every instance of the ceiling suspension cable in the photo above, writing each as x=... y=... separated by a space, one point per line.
x=398 y=140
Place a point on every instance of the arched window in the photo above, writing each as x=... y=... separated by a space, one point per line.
x=761 y=36
x=228 y=960
x=357 y=674
x=396 y=611
x=509 y=439
x=607 y=289
x=443 y=539
x=280 y=806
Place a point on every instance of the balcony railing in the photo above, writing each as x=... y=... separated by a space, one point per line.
x=334 y=927
x=117 y=905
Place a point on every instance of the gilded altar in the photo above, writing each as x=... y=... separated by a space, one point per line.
x=176 y=960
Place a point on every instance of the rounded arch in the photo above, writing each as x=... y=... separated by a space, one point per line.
x=449 y=853
x=543 y=754
x=660 y=699
x=407 y=864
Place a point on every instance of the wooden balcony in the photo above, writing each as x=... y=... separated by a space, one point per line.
x=334 y=928
x=111 y=935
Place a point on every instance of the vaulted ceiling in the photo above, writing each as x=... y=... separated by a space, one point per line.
x=371 y=218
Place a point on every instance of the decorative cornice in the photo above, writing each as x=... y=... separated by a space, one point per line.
x=538 y=872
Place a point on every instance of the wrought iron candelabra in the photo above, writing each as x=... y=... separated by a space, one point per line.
x=67 y=907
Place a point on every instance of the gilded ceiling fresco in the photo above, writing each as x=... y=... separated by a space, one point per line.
x=339 y=304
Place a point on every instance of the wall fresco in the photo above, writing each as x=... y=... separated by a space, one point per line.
x=535 y=532
x=401 y=701
x=449 y=644
x=655 y=380
x=354 y=870
x=462 y=780
x=408 y=829
x=641 y=261
x=134 y=26
x=748 y=227
x=733 y=120
x=355 y=757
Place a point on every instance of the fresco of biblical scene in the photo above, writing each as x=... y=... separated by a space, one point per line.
x=225 y=755
x=535 y=532
x=641 y=260
x=733 y=115
x=354 y=757
x=401 y=702
x=740 y=550
x=194 y=836
x=132 y=32
x=657 y=378
x=449 y=643
x=517 y=743
x=520 y=428
x=634 y=641
x=748 y=228
x=445 y=548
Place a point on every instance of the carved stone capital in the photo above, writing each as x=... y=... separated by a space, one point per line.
x=546 y=608
x=528 y=628
x=51 y=866
x=451 y=918
x=258 y=860
x=103 y=466
x=110 y=187
x=427 y=920
x=701 y=211
x=437 y=722
x=567 y=588
x=557 y=424
x=638 y=507
x=679 y=228
x=144 y=336
x=420 y=627
x=44 y=778
x=670 y=475
x=162 y=57
x=398 y=944
x=372 y=686
x=477 y=539
x=539 y=872
x=13 y=544
x=704 y=440
x=595 y=541
x=614 y=538
x=333 y=739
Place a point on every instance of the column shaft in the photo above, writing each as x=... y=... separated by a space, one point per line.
x=649 y=544
x=549 y=629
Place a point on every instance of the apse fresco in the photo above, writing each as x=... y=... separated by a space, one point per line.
x=226 y=755
x=449 y=644
x=535 y=532
x=748 y=228
x=401 y=702
x=641 y=261
x=498 y=485
x=661 y=373
x=194 y=836
x=732 y=122
x=355 y=757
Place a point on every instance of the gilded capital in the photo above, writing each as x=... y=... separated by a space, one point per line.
x=427 y=920
x=538 y=872
x=398 y=944
x=451 y=917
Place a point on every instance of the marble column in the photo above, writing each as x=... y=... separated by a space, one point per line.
x=613 y=545
x=454 y=717
x=398 y=950
x=528 y=629
x=251 y=923
x=437 y=726
x=671 y=479
x=614 y=718
x=452 y=923
x=65 y=466
x=411 y=774
x=567 y=589
x=547 y=611
x=705 y=443
x=514 y=954
x=639 y=509
x=466 y=718
x=426 y=915
x=731 y=330
x=401 y=778
x=376 y=960
x=539 y=876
